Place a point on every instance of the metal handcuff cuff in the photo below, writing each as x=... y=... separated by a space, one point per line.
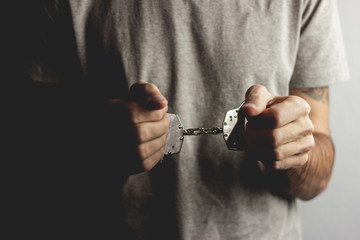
x=232 y=130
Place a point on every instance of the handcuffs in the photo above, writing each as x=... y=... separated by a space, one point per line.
x=232 y=130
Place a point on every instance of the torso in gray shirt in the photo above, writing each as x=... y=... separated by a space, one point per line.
x=203 y=55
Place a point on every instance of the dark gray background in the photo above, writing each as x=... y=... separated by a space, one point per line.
x=335 y=214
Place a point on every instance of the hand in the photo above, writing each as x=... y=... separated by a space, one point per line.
x=144 y=125
x=279 y=130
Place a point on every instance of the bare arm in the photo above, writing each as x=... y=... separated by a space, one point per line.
x=290 y=135
x=309 y=180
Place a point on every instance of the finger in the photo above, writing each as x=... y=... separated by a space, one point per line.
x=148 y=131
x=275 y=137
x=256 y=100
x=269 y=156
x=302 y=145
x=151 y=161
x=138 y=114
x=284 y=111
x=147 y=149
x=148 y=95
x=291 y=162
x=120 y=110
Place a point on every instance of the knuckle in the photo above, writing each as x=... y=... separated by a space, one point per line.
x=257 y=88
x=158 y=115
x=141 y=134
x=165 y=121
x=134 y=116
x=277 y=154
x=132 y=113
x=301 y=160
x=163 y=140
x=276 y=117
x=150 y=88
x=278 y=165
x=275 y=137
x=295 y=99
x=307 y=108
x=312 y=126
x=312 y=141
x=146 y=164
x=301 y=104
x=166 y=130
x=162 y=152
x=309 y=125
x=308 y=144
x=150 y=162
x=141 y=151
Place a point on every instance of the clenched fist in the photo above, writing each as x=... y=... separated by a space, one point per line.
x=143 y=124
x=279 y=130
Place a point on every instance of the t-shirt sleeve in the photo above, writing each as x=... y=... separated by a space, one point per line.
x=321 y=58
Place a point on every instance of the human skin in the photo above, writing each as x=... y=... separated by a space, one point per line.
x=287 y=133
x=291 y=134
x=311 y=179
x=146 y=121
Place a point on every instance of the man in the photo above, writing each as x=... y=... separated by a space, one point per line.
x=197 y=59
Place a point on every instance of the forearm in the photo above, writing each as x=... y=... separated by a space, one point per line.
x=308 y=181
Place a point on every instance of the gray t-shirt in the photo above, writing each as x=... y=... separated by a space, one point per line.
x=203 y=55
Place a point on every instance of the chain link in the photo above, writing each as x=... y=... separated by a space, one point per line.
x=203 y=131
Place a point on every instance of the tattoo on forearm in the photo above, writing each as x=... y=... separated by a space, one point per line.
x=318 y=94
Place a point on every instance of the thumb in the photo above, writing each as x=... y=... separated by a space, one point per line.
x=257 y=99
x=147 y=95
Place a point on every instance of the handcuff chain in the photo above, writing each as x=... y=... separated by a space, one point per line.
x=203 y=131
